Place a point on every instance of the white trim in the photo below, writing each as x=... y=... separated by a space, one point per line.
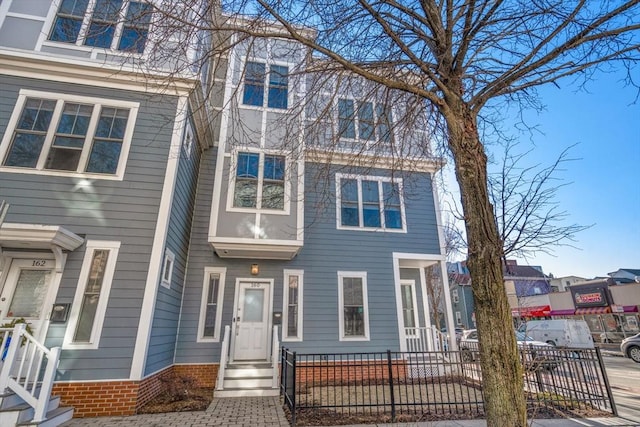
x=265 y=84
x=396 y=288
x=170 y=259
x=222 y=273
x=285 y=304
x=381 y=205
x=93 y=73
x=60 y=99
x=155 y=262
x=365 y=304
x=37 y=236
x=4 y=10
x=107 y=280
x=319 y=155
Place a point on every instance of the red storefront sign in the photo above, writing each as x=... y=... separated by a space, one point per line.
x=536 y=311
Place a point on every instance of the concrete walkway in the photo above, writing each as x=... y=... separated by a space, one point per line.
x=267 y=411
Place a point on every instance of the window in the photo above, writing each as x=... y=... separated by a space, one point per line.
x=353 y=306
x=409 y=312
x=92 y=294
x=369 y=203
x=292 y=303
x=254 y=85
x=458 y=318
x=367 y=122
x=211 y=306
x=167 y=268
x=259 y=181
x=187 y=141
x=67 y=133
x=454 y=296
x=112 y=24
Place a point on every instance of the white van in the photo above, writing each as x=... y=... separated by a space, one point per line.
x=560 y=332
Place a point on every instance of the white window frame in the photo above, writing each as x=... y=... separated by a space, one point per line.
x=258 y=208
x=187 y=140
x=454 y=296
x=365 y=302
x=458 y=318
x=208 y=271
x=265 y=85
x=380 y=180
x=96 y=332
x=86 y=22
x=61 y=99
x=285 y=304
x=356 y=121
x=169 y=261
x=414 y=301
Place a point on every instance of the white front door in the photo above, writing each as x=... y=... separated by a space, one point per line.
x=252 y=321
x=27 y=293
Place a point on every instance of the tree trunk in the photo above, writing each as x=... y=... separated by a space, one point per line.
x=502 y=373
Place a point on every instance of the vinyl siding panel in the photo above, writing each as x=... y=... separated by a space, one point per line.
x=167 y=311
x=125 y=211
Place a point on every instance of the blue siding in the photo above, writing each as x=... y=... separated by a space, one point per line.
x=167 y=311
x=124 y=211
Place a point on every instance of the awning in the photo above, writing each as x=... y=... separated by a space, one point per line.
x=593 y=310
x=536 y=311
x=563 y=312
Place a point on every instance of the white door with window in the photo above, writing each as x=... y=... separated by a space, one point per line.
x=27 y=293
x=251 y=326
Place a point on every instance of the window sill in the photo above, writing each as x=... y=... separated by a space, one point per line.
x=354 y=339
x=92 y=49
x=262 y=108
x=378 y=230
x=285 y=211
x=68 y=174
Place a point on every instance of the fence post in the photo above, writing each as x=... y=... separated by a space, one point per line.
x=614 y=410
x=393 y=398
x=12 y=354
x=293 y=399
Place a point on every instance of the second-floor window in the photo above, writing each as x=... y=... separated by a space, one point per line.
x=364 y=121
x=56 y=132
x=259 y=181
x=111 y=24
x=261 y=82
x=366 y=202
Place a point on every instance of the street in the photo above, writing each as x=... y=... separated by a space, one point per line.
x=624 y=378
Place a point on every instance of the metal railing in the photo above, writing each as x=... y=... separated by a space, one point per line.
x=224 y=357
x=28 y=369
x=381 y=387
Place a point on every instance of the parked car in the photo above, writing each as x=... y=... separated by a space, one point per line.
x=630 y=347
x=470 y=345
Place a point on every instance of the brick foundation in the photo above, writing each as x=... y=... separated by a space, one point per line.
x=111 y=398
x=346 y=372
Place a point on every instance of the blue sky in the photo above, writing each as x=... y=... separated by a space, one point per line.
x=604 y=185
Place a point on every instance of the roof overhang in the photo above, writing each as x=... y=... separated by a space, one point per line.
x=257 y=250
x=37 y=236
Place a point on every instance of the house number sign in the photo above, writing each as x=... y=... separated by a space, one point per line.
x=39 y=263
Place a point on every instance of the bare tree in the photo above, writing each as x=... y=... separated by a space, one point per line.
x=458 y=57
x=527 y=209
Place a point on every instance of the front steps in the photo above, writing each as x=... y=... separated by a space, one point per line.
x=15 y=412
x=247 y=380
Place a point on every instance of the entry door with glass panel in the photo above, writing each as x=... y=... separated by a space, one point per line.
x=252 y=321
x=26 y=293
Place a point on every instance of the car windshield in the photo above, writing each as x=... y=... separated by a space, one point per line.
x=521 y=336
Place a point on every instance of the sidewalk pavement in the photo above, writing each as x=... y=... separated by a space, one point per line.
x=267 y=412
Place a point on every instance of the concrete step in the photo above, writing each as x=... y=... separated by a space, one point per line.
x=248 y=373
x=255 y=392
x=247 y=383
x=53 y=418
x=23 y=412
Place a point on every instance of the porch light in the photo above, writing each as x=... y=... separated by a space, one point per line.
x=255 y=269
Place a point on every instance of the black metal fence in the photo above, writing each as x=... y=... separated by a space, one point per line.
x=407 y=386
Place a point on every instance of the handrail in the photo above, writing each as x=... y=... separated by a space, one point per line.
x=421 y=339
x=274 y=358
x=25 y=380
x=224 y=355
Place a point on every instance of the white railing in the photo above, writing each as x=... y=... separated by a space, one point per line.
x=274 y=358
x=28 y=368
x=224 y=356
x=425 y=339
